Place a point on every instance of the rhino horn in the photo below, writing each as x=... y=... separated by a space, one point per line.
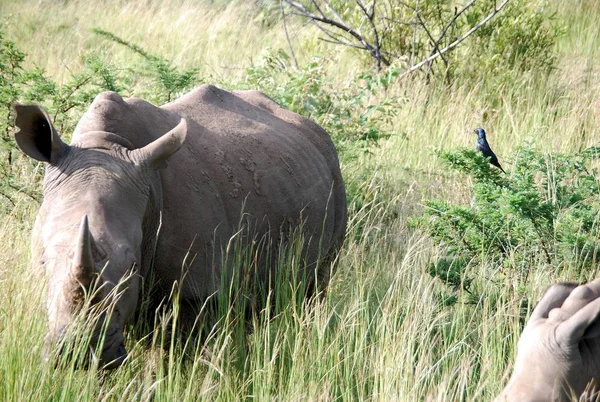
x=83 y=262
x=157 y=152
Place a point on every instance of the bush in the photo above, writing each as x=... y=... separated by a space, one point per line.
x=522 y=38
x=546 y=211
x=168 y=81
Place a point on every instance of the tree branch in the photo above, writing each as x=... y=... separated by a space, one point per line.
x=287 y=36
x=337 y=30
x=445 y=30
x=457 y=41
x=433 y=41
x=338 y=23
x=414 y=41
x=371 y=19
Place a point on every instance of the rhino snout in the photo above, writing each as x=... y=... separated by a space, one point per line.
x=112 y=355
x=113 y=352
x=116 y=359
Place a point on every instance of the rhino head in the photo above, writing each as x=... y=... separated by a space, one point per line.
x=89 y=234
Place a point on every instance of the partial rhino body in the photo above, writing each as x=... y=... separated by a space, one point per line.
x=113 y=209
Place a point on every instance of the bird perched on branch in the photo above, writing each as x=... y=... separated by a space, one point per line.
x=484 y=148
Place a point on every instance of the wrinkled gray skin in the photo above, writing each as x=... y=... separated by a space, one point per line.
x=559 y=351
x=108 y=194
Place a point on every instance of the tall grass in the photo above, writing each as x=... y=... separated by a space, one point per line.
x=381 y=332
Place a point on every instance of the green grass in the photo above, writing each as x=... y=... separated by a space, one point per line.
x=381 y=332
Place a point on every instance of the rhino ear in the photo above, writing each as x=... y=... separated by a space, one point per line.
x=155 y=154
x=37 y=137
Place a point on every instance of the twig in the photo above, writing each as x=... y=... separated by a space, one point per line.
x=336 y=15
x=7 y=198
x=435 y=43
x=407 y=5
x=445 y=30
x=339 y=42
x=287 y=36
x=371 y=19
x=456 y=42
x=410 y=24
x=414 y=41
x=22 y=190
x=317 y=7
x=541 y=237
x=65 y=109
x=335 y=39
x=456 y=15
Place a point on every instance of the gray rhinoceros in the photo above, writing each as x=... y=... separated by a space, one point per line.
x=109 y=207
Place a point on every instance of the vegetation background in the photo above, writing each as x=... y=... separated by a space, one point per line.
x=444 y=257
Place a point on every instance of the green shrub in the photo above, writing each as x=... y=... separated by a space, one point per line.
x=168 y=81
x=522 y=37
x=545 y=210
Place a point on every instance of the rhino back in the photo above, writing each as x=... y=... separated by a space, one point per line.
x=244 y=152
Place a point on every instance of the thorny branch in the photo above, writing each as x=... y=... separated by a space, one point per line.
x=322 y=21
x=451 y=46
x=437 y=42
x=287 y=36
x=336 y=30
x=415 y=29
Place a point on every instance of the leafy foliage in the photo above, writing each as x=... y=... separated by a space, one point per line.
x=170 y=81
x=521 y=38
x=545 y=211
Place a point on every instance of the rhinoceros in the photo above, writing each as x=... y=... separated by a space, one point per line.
x=112 y=208
x=558 y=355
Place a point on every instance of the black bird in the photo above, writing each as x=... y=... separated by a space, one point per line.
x=484 y=148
